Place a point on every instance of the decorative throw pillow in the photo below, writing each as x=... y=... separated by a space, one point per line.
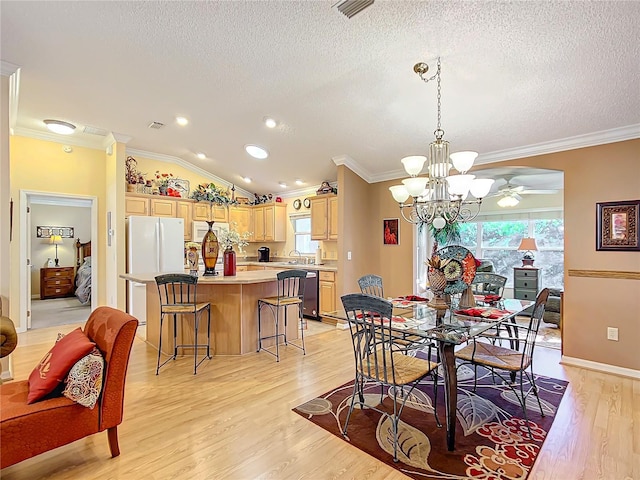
x=84 y=382
x=55 y=365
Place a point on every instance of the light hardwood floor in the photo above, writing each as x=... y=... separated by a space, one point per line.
x=233 y=420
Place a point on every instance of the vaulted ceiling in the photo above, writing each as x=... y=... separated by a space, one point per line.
x=518 y=78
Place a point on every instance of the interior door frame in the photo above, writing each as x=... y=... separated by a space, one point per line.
x=62 y=199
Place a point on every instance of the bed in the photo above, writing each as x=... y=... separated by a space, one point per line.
x=83 y=272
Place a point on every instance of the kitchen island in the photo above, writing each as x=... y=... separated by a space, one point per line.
x=234 y=312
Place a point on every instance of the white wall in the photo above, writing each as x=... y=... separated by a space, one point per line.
x=56 y=216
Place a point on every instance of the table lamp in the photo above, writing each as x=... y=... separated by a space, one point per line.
x=528 y=246
x=56 y=240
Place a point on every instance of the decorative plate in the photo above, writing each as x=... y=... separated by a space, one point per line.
x=296 y=204
x=460 y=270
x=307 y=203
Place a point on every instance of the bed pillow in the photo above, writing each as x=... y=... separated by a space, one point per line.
x=55 y=365
x=84 y=382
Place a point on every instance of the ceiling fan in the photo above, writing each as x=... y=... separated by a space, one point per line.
x=511 y=193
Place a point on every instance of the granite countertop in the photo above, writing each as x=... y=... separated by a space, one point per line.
x=287 y=265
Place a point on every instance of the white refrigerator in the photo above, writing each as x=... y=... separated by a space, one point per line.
x=154 y=245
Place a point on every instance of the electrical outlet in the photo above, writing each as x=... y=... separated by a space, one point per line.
x=348 y=255
x=612 y=333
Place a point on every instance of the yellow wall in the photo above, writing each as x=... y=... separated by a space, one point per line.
x=43 y=166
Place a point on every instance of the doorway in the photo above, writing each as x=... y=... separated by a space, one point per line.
x=38 y=211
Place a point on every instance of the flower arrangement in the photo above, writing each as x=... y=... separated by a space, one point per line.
x=162 y=179
x=190 y=245
x=210 y=192
x=228 y=238
x=131 y=173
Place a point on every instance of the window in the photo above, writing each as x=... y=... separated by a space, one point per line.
x=302 y=235
x=498 y=239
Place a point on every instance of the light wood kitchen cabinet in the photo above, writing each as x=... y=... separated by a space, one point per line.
x=184 y=211
x=324 y=217
x=202 y=212
x=136 y=205
x=241 y=216
x=162 y=207
x=270 y=222
x=327 y=286
x=333 y=217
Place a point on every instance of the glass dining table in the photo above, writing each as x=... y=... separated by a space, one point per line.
x=417 y=322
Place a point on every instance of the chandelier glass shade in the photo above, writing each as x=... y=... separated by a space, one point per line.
x=439 y=198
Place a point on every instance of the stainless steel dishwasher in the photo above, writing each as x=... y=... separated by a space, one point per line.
x=311 y=307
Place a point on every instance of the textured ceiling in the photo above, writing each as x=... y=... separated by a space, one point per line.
x=515 y=75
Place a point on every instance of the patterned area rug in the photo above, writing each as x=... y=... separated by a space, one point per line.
x=492 y=440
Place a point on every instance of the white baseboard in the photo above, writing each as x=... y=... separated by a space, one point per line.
x=600 y=367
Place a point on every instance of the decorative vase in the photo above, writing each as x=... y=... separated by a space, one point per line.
x=131 y=187
x=467 y=300
x=192 y=257
x=229 y=262
x=210 y=249
x=162 y=189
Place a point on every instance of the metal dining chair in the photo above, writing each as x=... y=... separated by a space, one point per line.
x=290 y=292
x=380 y=360
x=178 y=298
x=513 y=361
x=371 y=284
x=488 y=284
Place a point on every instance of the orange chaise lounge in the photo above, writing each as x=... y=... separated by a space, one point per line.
x=27 y=430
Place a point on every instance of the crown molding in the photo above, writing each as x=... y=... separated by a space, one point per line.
x=7 y=69
x=354 y=166
x=603 y=137
x=14 y=96
x=56 y=138
x=161 y=157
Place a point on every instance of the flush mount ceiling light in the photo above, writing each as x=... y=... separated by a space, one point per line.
x=283 y=185
x=58 y=126
x=201 y=155
x=182 y=121
x=256 y=152
x=246 y=179
x=439 y=198
x=299 y=182
x=270 y=122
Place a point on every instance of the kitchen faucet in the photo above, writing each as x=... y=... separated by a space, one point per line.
x=299 y=255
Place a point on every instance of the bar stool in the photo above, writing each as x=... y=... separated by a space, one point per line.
x=290 y=292
x=177 y=293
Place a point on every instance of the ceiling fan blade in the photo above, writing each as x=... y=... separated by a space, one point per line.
x=516 y=196
x=539 y=192
x=517 y=189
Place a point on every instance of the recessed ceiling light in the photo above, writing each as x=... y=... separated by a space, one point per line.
x=299 y=182
x=182 y=121
x=246 y=179
x=270 y=122
x=58 y=126
x=201 y=155
x=283 y=185
x=256 y=152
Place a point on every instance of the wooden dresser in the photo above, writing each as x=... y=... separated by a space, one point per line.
x=56 y=282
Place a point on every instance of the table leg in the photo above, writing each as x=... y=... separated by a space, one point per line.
x=450 y=391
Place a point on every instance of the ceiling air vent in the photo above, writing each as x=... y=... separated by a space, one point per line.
x=156 y=125
x=95 y=131
x=352 y=7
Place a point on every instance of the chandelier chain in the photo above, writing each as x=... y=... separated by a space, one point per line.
x=439 y=132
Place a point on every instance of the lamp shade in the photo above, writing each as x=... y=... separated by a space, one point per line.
x=480 y=187
x=413 y=164
x=508 y=201
x=463 y=161
x=459 y=184
x=55 y=240
x=399 y=192
x=415 y=185
x=528 y=244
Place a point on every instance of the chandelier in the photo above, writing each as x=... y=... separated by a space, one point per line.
x=439 y=198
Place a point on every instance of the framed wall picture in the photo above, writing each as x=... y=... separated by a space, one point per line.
x=617 y=225
x=391 y=231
